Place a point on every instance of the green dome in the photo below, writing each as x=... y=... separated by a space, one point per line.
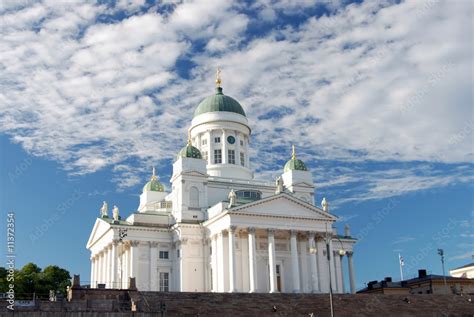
x=189 y=151
x=294 y=163
x=219 y=102
x=153 y=185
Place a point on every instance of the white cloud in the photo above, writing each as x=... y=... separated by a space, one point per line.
x=376 y=81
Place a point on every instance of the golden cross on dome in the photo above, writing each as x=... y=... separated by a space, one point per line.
x=293 y=152
x=153 y=175
x=218 y=77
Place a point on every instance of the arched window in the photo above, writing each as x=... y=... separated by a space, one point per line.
x=194 y=197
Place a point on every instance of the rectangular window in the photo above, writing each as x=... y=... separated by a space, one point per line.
x=164 y=282
x=217 y=139
x=164 y=255
x=217 y=156
x=241 y=142
x=204 y=155
x=178 y=254
x=204 y=141
x=231 y=155
x=242 y=158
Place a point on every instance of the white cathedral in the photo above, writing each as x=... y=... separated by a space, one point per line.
x=219 y=229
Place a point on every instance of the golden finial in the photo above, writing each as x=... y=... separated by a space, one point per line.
x=190 y=143
x=153 y=175
x=218 y=77
x=293 y=152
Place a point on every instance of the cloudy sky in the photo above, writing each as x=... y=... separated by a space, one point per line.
x=376 y=96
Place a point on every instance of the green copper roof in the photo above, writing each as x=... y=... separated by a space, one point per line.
x=295 y=164
x=153 y=185
x=219 y=102
x=189 y=151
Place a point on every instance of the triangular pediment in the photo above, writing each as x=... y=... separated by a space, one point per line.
x=283 y=205
x=99 y=229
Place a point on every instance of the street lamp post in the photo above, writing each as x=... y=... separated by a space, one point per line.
x=122 y=234
x=328 y=254
x=441 y=254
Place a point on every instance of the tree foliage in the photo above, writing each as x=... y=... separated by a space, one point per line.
x=32 y=279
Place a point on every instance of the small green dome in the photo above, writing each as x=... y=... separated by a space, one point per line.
x=219 y=102
x=294 y=163
x=153 y=185
x=189 y=151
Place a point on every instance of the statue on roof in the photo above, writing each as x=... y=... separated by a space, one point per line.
x=347 y=231
x=232 y=198
x=115 y=213
x=104 y=210
x=279 y=185
x=325 y=204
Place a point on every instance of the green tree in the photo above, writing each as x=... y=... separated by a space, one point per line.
x=31 y=279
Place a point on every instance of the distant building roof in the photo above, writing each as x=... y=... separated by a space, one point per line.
x=464 y=266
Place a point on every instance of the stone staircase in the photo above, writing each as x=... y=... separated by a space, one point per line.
x=122 y=303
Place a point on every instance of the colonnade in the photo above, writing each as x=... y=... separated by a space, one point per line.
x=116 y=262
x=316 y=250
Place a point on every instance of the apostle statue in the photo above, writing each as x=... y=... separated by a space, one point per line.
x=104 y=210
x=115 y=213
x=232 y=198
x=325 y=204
x=279 y=185
x=347 y=231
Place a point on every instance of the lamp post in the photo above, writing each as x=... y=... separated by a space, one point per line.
x=122 y=234
x=327 y=239
x=441 y=254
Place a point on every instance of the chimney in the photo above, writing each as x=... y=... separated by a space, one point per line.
x=421 y=273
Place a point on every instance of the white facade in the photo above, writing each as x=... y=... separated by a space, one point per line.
x=196 y=238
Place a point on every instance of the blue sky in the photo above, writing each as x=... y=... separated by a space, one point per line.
x=377 y=97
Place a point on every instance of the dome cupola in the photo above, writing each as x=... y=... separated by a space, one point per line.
x=189 y=151
x=294 y=163
x=219 y=102
x=153 y=185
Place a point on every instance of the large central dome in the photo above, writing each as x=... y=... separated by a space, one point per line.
x=219 y=102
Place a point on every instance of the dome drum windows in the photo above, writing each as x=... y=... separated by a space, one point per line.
x=218 y=156
x=248 y=195
x=231 y=156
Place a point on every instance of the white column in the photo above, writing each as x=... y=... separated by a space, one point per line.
x=133 y=260
x=341 y=274
x=210 y=147
x=237 y=148
x=252 y=261
x=100 y=268
x=247 y=152
x=323 y=273
x=313 y=264
x=272 y=260
x=294 y=262
x=214 y=263
x=126 y=265
x=153 y=267
x=92 y=270
x=107 y=266
x=331 y=263
x=232 y=281
x=220 y=262
x=224 y=147
x=113 y=266
x=351 y=272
